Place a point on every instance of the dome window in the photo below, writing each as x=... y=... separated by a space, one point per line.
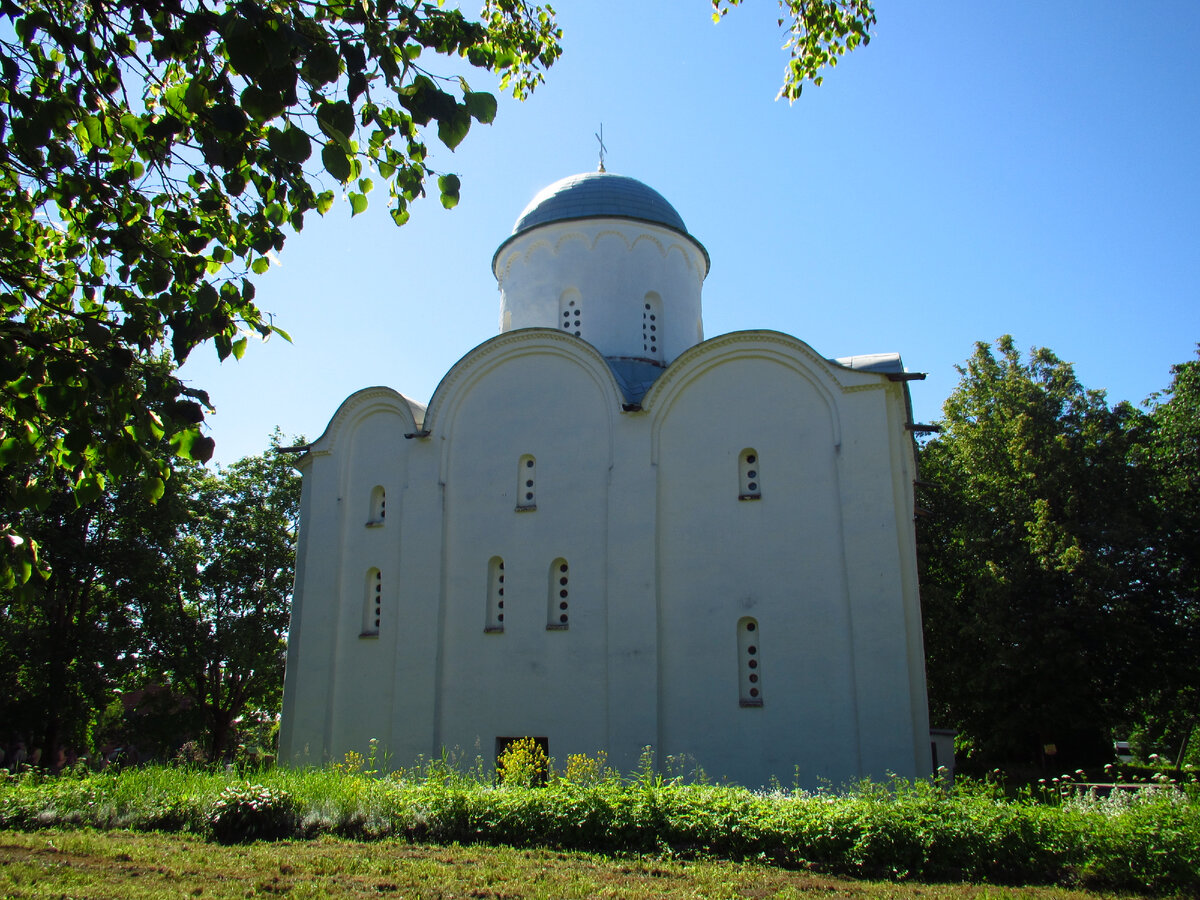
x=570 y=307
x=651 y=326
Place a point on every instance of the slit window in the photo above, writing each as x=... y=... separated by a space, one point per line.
x=652 y=320
x=749 y=662
x=749 y=475
x=526 y=483
x=378 y=506
x=570 y=312
x=372 y=603
x=558 y=596
x=495 y=595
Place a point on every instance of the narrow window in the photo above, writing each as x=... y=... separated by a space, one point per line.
x=372 y=603
x=378 y=506
x=570 y=312
x=495 y=596
x=526 y=476
x=748 y=474
x=749 y=674
x=558 y=596
x=652 y=326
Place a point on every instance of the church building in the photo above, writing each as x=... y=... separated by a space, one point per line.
x=606 y=532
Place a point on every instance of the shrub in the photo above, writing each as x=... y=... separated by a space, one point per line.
x=523 y=763
x=1140 y=840
x=587 y=770
x=248 y=812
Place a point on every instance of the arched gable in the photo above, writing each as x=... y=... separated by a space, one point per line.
x=362 y=404
x=828 y=380
x=503 y=349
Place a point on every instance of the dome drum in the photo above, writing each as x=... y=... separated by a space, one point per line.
x=607 y=259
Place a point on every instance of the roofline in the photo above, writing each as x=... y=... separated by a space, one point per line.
x=512 y=237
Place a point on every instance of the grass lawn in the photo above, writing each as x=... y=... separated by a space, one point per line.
x=122 y=864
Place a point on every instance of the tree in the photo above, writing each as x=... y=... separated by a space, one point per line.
x=152 y=156
x=1043 y=611
x=184 y=601
x=69 y=640
x=219 y=639
x=1170 y=715
x=818 y=34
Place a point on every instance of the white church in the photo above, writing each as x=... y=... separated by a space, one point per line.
x=606 y=532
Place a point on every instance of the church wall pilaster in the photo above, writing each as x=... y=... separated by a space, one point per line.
x=632 y=607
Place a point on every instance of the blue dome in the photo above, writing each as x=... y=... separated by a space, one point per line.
x=598 y=194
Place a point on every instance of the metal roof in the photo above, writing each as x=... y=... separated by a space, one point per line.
x=598 y=194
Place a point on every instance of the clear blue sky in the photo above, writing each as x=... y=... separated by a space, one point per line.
x=1021 y=167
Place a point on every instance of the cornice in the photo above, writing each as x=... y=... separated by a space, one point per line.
x=539 y=241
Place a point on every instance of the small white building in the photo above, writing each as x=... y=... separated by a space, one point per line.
x=606 y=532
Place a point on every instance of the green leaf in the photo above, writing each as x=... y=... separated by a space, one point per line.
x=320 y=64
x=260 y=265
x=89 y=488
x=191 y=444
x=336 y=163
x=481 y=106
x=239 y=347
x=337 y=120
x=153 y=488
x=358 y=203
x=297 y=146
x=243 y=44
x=11 y=450
x=291 y=145
x=453 y=126
x=449 y=186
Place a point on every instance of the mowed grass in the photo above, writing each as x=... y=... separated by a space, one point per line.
x=57 y=863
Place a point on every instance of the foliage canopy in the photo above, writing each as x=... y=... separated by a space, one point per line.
x=152 y=157
x=158 y=622
x=819 y=33
x=1050 y=616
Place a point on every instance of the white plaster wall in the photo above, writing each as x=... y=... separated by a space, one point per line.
x=415 y=639
x=664 y=560
x=777 y=559
x=309 y=663
x=332 y=691
x=526 y=680
x=632 y=591
x=612 y=263
x=878 y=592
x=375 y=453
